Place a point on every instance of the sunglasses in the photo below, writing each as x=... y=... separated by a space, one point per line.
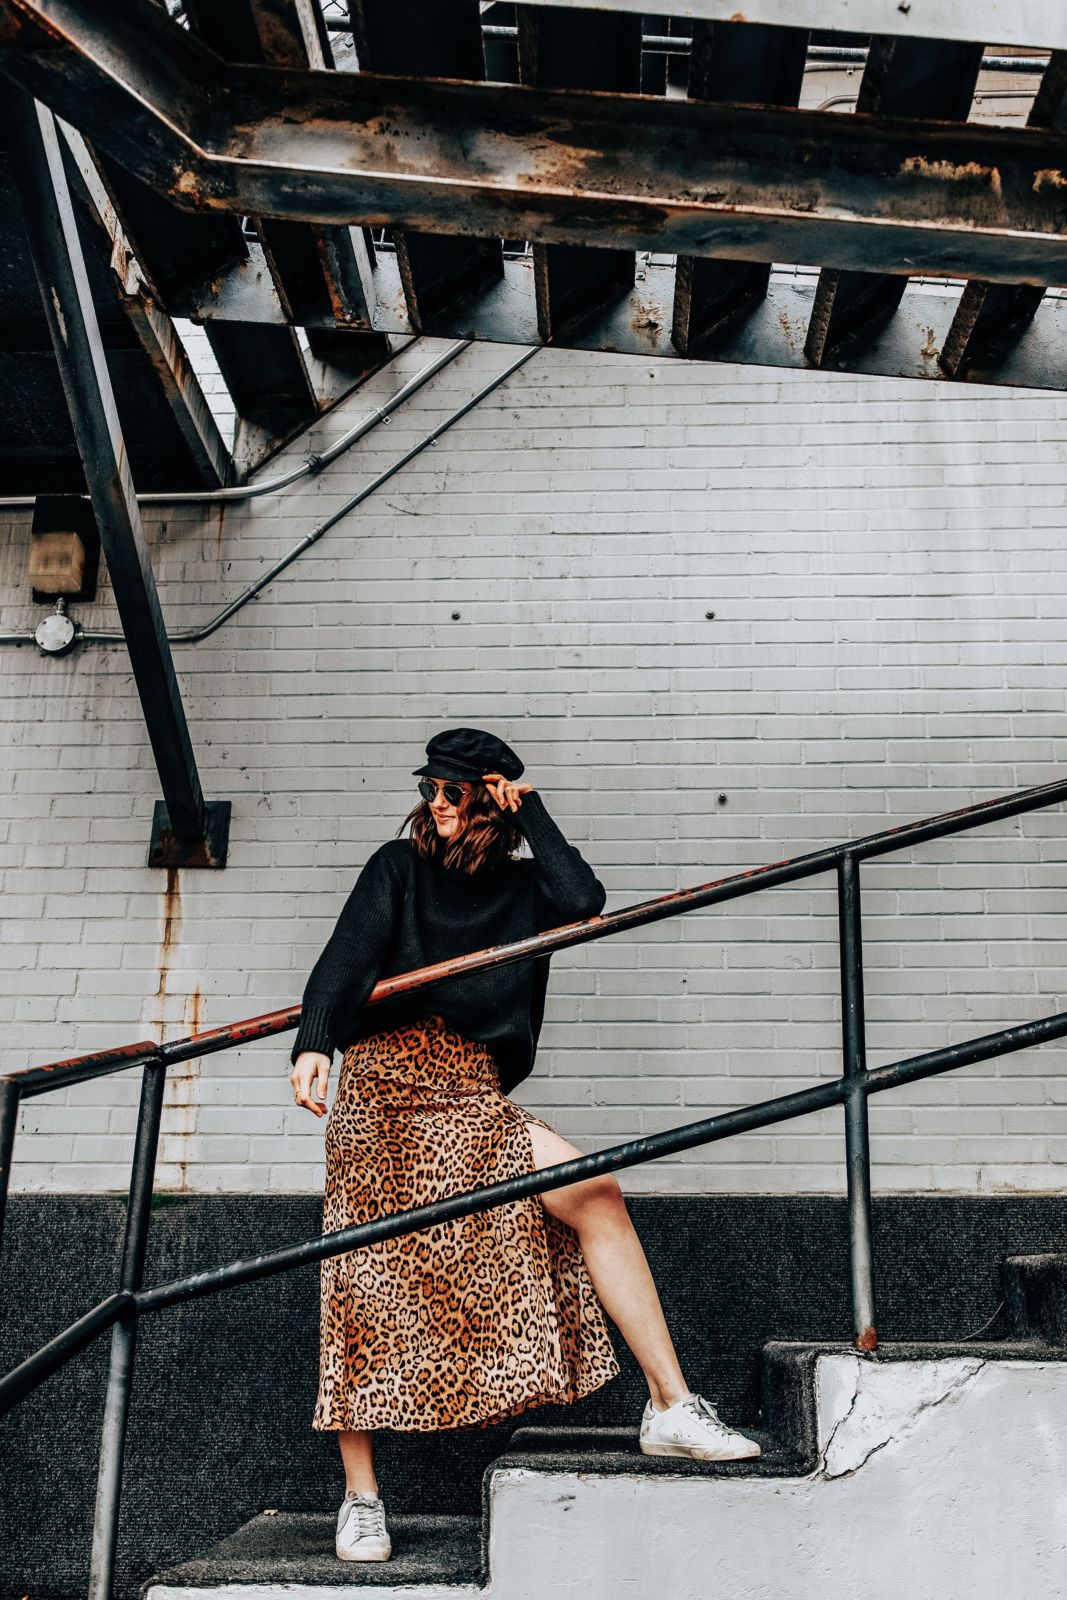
x=453 y=792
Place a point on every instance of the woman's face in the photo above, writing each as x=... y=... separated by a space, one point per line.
x=445 y=815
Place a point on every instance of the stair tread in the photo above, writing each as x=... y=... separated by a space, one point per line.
x=615 y=1450
x=296 y=1547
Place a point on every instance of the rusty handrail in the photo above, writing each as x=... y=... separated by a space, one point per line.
x=59 y=1074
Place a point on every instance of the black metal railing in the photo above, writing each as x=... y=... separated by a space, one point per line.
x=121 y=1310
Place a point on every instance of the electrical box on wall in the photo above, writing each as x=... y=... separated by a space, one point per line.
x=64 y=548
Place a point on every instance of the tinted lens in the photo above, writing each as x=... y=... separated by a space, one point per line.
x=453 y=792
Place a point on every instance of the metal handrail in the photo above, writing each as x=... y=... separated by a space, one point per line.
x=122 y=1310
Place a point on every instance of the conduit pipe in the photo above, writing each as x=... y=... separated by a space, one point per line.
x=195 y=635
x=315 y=463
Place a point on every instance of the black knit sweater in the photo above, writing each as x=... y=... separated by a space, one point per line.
x=406 y=912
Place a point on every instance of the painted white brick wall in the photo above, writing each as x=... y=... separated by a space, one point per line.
x=887 y=565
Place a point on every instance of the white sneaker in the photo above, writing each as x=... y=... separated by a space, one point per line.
x=692 y=1427
x=361 y=1532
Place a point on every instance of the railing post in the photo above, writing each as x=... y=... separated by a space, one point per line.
x=857 y=1135
x=9 y=1115
x=124 y=1336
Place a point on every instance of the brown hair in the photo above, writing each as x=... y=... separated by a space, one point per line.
x=487 y=836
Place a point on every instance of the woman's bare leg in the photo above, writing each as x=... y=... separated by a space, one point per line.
x=357 y=1453
x=596 y=1209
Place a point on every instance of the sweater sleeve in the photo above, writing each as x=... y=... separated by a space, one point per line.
x=355 y=953
x=566 y=882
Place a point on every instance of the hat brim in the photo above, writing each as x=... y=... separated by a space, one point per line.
x=446 y=769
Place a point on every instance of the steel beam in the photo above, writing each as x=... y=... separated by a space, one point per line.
x=153 y=327
x=771 y=334
x=902 y=78
x=585 y=50
x=48 y=214
x=322 y=273
x=424 y=38
x=266 y=374
x=1004 y=22
x=757 y=65
x=993 y=316
x=501 y=161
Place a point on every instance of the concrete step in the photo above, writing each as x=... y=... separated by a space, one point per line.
x=937 y=1431
x=1035 y=1297
x=292 y=1551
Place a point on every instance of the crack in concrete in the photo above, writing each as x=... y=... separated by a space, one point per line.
x=840 y=1423
x=953 y=1389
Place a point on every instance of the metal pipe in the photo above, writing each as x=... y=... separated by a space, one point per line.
x=314 y=464
x=718 y=892
x=708 y=1131
x=80 y=1069
x=857 y=1133
x=9 y=1115
x=195 y=635
x=124 y=1337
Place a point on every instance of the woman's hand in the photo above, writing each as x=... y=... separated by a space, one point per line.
x=311 y=1069
x=507 y=795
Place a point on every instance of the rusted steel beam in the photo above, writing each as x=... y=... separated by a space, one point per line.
x=902 y=78
x=1007 y=22
x=180 y=254
x=586 y=50
x=559 y=166
x=770 y=334
x=422 y=38
x=322 y=273
x=743 y=62
x=993 y=316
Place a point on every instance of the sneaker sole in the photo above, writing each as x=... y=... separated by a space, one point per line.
x=696 y=1453
x=378 y=1555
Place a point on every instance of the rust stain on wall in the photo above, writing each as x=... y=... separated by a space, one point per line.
x=180 y=1097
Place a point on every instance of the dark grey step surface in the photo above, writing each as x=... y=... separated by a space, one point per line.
x=296 y=1547
x=616 y=1450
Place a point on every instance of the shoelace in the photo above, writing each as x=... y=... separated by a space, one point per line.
x=370 y=1516
x=704 y=1411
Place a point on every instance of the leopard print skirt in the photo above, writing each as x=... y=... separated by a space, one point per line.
x=466 y=1322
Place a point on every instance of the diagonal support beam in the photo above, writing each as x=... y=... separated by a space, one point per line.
x=152 y=326
x=502 y=161
x=48 y=215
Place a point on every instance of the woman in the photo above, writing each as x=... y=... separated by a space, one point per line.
x=468 y=1322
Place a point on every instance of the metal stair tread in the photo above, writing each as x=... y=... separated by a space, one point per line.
x=296 y=1547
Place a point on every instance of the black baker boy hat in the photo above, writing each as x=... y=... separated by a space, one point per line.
x=467 y=754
